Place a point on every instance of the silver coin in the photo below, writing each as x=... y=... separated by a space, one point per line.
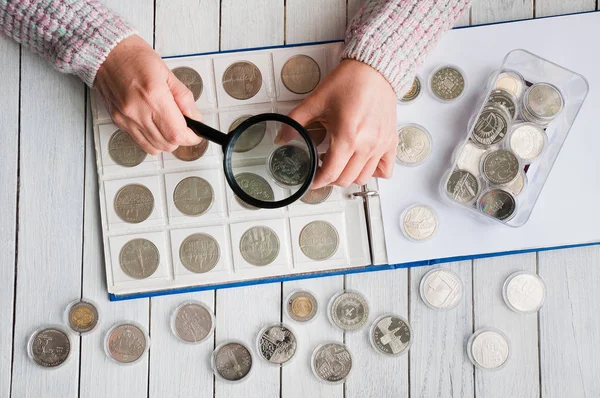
x=319 y=240
x=232 y=361
x=469 y=158
x=277 y=344
x=256 y=187
x=193 y=196
x=505 y=100
x=524 y=292
x=289 y=165
x=82 y=316
x=251 y=137
x=527 y=141
x=516 y=187
x=489 y=349
x=447 y=83
x=139 y=258
x=242 y=80
x=419 y=222
x=500 y=167
x=414 y=92
x=300 y=74
x=317 y=196
x=193 y=322
x=123 y=150
x=199 y=253
x=511 y=82
x=50 y=347
x=191 y=79
x=491 y=126
x=441 y=289
x=543 y=101
x=302 y=306
x=391 y=335
x=126 y=343
x=463 y=186
x=331 y=362
x=414 y=145
x=134 y=203
x=259 y=246
x=498 y=204
x=349 y=310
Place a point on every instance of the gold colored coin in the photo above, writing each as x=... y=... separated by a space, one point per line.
x=301 y=307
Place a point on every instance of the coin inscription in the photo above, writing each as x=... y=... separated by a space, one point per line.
x=126 y=343
x=277 y=344
x=498 y=204
x=82 y=317
x=259 y=246
x=289 y=165
x=419 y=222
x=134 y=203
x=199 y=253
x=50 y=347
x=414 y=145
x=193 y=196
x=256 y=187
x=251 y=137
x=447 y=83
x=139 y=258
x=489 y=349
x=463 y=186
x=191 y=79
x=391 y=335
x=123 y=150
x=242 y=80
x=491 y=126
x=300 y=74
x=191 y=153
x=505 y=100
x=349 y=310
x=232 y=361
x=500 y=167
x=332 y=362
x=319 y=240
x=544 y=101
x=193 y=322
x=302 y=306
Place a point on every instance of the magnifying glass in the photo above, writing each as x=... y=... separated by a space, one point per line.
x=251 y=159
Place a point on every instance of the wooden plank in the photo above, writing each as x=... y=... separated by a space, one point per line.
x=520 y=377
x=252 y=23
x=297 y=375
x=544 y=8
x=140 y=13
x=50 y=219
x=569 y=323
x=439 y=366
x=9 y=141
x=465 y=19
x=179 y=24
x=309 y=21
x=373 y=374
x=486 y=11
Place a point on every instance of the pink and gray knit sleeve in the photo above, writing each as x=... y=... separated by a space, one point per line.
x=76 y=36
x=394 y=36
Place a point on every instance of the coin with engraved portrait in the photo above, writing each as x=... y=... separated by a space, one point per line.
x=469 y=158
x=414 y=145
x=491 y=126
x=524 y=292
x=300 y=74
x=511 y=82
x=82 y=316
x=348 y=310
x=301 y=306
x=441 y=289
x=289 y=165
x=192 y=322
x=256 y=187
x=191 y=79
x=505 y=100
x=391 y=335
x=49 y=347
x=259 y=245
x=232 y=361
x=126 y=343
x=251 y=137
x=418 y=222
x=199 y=253
x=316 y=196
x=316 y=132
x=542 y=102
x=193 y=196
x=414 y=91
x=276 y=344
x=488 y=349
x=527 y=141
x=123 y=150
x=191 y=153
x=500 y=167
x=134 y=203
x=463 y=186
x=331 y=362
x=242 y=80
x=139 y=258
x=498 y=203
x=447 y=83
x=319 y=240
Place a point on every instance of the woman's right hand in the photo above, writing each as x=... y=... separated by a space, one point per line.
x=145 y=98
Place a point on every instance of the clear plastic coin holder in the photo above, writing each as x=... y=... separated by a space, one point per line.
x=389 y=335
x=289 y=303
x=414 y=145
x=530 y=291
x=88 y=325
x=442 y=293
x=270 y=341
x=115 y=343
x=188 y=322
x=548 y=98
x=204 y=68
x=43 y=347
x=198 y=252
x=415 y=92
x=360 y=325
x=216 y=371
x=454 y=85
x=418 y=222
x=331 y=363
x=496 y=352
x=298 y=74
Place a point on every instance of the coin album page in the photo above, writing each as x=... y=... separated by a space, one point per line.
x=146 y=188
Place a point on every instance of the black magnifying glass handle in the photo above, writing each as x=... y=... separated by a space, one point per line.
x=207 y=132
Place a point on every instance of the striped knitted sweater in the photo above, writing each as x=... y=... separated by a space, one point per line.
x=76 y=36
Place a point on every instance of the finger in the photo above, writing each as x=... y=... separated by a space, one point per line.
x=134 y=132
x=367 y=172
x=156 y=138
x=304 y=113
x=385 y=167
x=184 y=99
x=172 y=126
x=334 y=163
x=352 y=170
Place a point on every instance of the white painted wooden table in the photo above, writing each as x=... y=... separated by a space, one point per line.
x=50 y=249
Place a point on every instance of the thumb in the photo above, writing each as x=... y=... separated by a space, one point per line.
x=185 y=102
x=304 y=113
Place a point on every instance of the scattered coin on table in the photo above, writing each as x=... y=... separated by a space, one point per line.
x=242 y=80
x=191 y=79
x=252 y=136
x=524 y=292
x=199 y=253
x=192 y=322
x=348 y=310
x=256 y=187
x=123 y=150
x=289 y=165
x=193 y=196
x=191 y=153
x=134 y=203
x=300 y=74
x=414 y=145
x=50 y=347
x=232 y=361
x=331 y=362
x=413 y=93
x=126 y=343
x=139 y=258
x=419 y=222
x=319 y=240
x=447 y=83
x=82 y=316
x=441 y=288
x=277 y=344
x=259 y=245
x=488 y=349
x=391 y=335
x=301 y=306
